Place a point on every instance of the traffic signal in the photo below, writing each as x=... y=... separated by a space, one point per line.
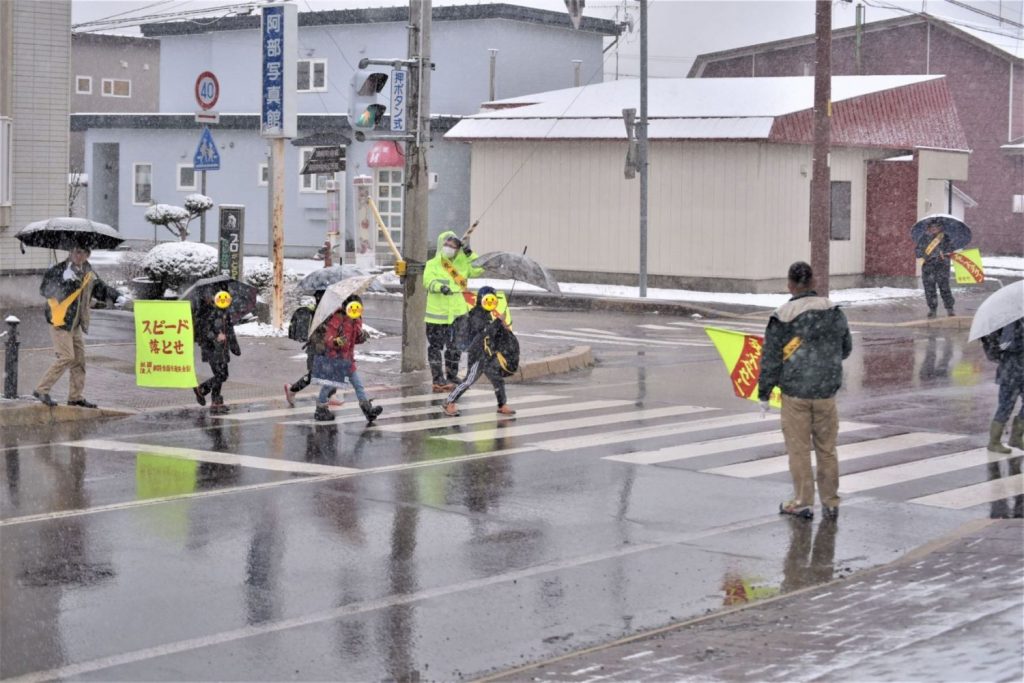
x=366 y=112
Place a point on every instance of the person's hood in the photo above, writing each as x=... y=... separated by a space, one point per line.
x=801 y=303
x=482 y=292
x=444 y=236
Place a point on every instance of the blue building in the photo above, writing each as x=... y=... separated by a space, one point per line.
x=135 y=160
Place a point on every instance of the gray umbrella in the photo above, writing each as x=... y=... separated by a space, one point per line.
x=1000 y=309
x=243 y=295
x=325 y=277
x=66 y=232
x=505 y=265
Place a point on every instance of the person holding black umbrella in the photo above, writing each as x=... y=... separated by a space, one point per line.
x=68 y=288
x=935 y=247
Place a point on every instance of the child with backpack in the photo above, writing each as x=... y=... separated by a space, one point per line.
x=215 y=334
x=313 y=344
x=492 y=349
x=337 y=363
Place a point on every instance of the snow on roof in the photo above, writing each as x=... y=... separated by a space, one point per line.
x=678 y=108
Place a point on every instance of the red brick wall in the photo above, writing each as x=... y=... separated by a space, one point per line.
x=979 y=81
x=891 y=211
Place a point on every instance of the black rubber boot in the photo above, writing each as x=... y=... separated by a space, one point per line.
x=370 y=411
x=323 y=413
x=1017 y=433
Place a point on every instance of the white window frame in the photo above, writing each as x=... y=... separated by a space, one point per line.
x=389 y=211
x=6 y=152
x=111 y=81
x=88 y=89
x=312 y=183
x=195 y=179
x=312 y=68
x=263 y=174
x=1018 y=203
x=135 y=184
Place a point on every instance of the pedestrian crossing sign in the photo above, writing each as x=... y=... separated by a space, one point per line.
x=206 y=158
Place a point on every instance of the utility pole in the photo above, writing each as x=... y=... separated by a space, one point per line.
x=415 y=209
x=641 y=135
x=821 y=185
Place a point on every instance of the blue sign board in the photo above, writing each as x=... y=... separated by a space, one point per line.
x=278 y=40
x=206 y=158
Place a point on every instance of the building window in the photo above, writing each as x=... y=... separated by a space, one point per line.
x=390 y=198
x=312 y=182
x=840 y=219
x=1018 y=203
x=113 y=87
x=83 y=85
x=142 y=183
x=5 y=160
x=312 y=75
x=186 y=177
x=263 y=175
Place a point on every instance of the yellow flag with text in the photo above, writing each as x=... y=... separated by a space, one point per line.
x=741 y=353
x=164 y=354
x=967 y=267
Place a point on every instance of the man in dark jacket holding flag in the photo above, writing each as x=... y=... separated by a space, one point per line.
x=934 y=248
x=68 y=288
x=805 y=344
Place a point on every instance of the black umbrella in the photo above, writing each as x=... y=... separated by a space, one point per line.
x=243 y=295
x=65 y=233
x=505 y=265
x=325 y=277
x=956 y=230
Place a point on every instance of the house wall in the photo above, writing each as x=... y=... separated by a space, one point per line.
x=40 y=36
x=978 y=79
x=716 y=211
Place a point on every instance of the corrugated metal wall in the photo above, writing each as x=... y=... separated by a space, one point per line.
x=717 y=210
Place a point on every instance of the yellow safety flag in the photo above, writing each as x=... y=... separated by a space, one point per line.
x=164 y=354
x=967 y=267
x=741 y=353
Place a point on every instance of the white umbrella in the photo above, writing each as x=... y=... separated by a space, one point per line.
x=336 y=294
x=1000 y=309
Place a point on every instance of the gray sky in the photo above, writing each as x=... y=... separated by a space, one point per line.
x=679 y=29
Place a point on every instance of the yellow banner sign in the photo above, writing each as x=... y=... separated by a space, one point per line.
x=164 y=355
x=967 y=267
x=741 y=354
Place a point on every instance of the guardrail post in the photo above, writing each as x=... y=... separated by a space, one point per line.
x=11 y=358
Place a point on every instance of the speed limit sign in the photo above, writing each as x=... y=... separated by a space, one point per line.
x=207 y=90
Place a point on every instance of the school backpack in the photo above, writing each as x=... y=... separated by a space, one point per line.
x=298 y=327
x=990 y=344
x=501 y=345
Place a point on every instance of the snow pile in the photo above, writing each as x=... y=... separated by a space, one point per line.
x=258 y=329
x=195 y=204
x=261 y=275
x=166 y=214
x=174 y=263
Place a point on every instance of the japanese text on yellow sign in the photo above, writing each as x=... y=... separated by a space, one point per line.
x=741 y=354
x=164 y=354
x=967 y=267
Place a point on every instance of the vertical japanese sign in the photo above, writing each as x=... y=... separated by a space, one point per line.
x=232 y=240
x=399 y=83
x=164 y=355
x=278 y=36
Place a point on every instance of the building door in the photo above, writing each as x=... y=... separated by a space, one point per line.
x=390 y=192
x=104 y=183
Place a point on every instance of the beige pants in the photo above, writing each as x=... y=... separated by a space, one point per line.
x=807 y=422
x=70 y=350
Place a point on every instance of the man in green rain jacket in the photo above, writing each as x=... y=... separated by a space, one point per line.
x=445 y=278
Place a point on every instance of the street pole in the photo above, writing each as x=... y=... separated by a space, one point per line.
x=415 y=209
x=277 y=231
x=821 y=186
x=641 y=134
x=202 y=216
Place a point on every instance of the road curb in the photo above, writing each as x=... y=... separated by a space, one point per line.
x=31 y=413
x=913 y=555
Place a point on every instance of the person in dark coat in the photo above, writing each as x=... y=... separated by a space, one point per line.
x=1007 y=348
x=68 y=288
x=215 y=335
x=934 y=247
x=478 y=325
x=805 y=344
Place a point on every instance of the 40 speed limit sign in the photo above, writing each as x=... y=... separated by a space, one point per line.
x=207 y=90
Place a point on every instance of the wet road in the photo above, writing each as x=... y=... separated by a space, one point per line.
x=263 y=546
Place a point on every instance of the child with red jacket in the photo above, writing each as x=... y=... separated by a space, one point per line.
x=342 y=331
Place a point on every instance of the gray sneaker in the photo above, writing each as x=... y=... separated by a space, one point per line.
x=830 y=512
x=791 y=507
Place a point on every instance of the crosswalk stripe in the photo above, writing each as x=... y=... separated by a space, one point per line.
x=607 y=336
x=918 y=469
x=853 y=451
x=975 y=494
x=724 y=324
x=628 y=435
x=212 y=456
x=695 y=450
x=357 y=416
x=568 y=407
x=579 y=423
x=660 y=328
x=390 y=401
x=614 y=342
